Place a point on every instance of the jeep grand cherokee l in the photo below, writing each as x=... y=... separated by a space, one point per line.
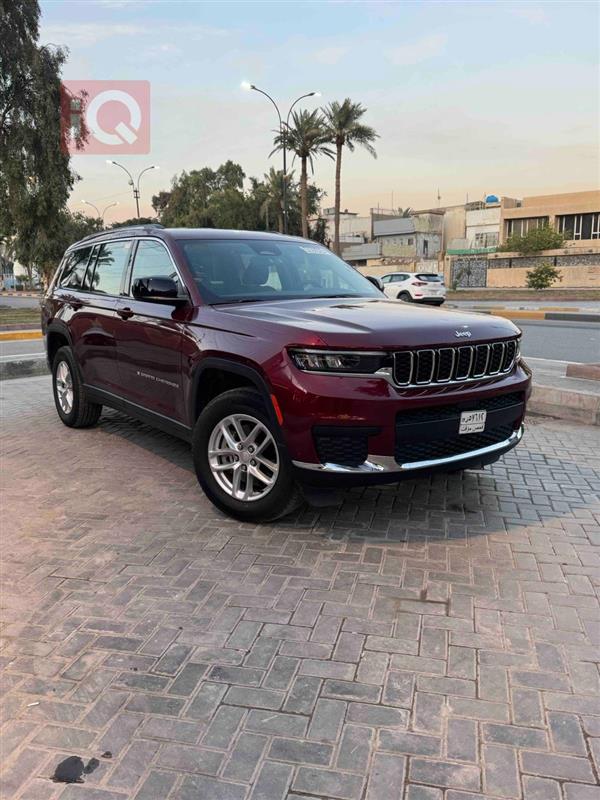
x=280 y=364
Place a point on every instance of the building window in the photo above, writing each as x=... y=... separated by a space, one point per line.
x=410 y=242
x=520 y=227
x=579 y=226
x=486 y=240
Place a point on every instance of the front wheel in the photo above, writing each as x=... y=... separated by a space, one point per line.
x=239 y=463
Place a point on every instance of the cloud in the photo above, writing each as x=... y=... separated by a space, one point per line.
x=330 y=55
x=81 y=34
x=418 y=51
x=533 y=14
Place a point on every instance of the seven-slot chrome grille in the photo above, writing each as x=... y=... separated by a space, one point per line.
x=454 y=364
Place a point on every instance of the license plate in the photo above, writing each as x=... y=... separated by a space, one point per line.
x=472 y=421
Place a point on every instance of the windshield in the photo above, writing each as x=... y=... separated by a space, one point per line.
x=430 y=277
x=242 y=270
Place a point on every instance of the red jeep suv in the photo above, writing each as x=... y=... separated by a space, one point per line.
x=286 y=370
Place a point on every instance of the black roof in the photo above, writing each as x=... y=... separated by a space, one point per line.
x=158 y=230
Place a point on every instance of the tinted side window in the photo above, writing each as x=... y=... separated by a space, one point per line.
x=110 y=264
x=153 y=261
x=74 y=272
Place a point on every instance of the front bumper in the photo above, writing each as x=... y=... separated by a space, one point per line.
x=379 y=465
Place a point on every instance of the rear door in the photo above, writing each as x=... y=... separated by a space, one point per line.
x=393 y=287
x=94 y=325
x=150 y=337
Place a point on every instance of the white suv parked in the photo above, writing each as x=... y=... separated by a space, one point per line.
x=415 y=287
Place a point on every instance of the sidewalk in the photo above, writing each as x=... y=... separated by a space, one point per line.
x=432 y=640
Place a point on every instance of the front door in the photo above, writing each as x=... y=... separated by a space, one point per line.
x=150 y=338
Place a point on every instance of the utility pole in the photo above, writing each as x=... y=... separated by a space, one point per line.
x=135 y=185
x=283 y=129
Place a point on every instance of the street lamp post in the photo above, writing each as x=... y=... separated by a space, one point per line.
x=283 y=129
x=100 y=215
x=134 y=184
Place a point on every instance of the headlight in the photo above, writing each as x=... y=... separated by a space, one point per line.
x=338 y=361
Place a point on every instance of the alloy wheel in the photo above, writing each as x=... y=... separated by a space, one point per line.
x=64 y=387
x=243 y=457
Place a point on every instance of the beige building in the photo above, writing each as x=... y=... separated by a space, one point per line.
x=576 y=215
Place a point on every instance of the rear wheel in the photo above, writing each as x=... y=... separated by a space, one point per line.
x=70 y=398
x=405 y=296
x=239 y=463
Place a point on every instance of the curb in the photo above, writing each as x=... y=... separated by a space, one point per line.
x=20 y=294
x=516 y=313
x=19 y=335
x=19 y=326
x=24 y=368
x=572 y=406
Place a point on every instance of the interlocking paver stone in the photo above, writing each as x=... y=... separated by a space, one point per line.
x=438 y=636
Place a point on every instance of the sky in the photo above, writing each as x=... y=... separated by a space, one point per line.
x=468 y=98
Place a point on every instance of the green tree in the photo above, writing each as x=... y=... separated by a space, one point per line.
x=542 y=276
x=345 y=129
x=217 y=199
x=134 y=221
x=35 y=177
x=46 y=253
x=273 y=202
x=307 y=138
x=535 y=240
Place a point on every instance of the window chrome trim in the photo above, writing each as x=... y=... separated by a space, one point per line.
x=377 y=465
x=129 y=271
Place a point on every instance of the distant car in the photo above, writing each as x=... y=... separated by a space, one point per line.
x=415 y=287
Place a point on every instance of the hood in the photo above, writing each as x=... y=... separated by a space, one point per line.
x=367 y=323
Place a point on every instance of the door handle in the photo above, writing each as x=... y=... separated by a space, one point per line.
x=125 y=313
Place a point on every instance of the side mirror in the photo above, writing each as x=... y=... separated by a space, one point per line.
x=157 y=290
x=375 y=281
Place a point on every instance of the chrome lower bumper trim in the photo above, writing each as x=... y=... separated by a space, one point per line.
x=376 y=465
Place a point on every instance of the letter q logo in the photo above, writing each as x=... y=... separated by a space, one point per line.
x=106 y=117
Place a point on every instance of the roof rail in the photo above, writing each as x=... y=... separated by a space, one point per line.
x=147 y=227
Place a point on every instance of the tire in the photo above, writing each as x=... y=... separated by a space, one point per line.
x=74 y=409
x=274 y=497
x=405 y=296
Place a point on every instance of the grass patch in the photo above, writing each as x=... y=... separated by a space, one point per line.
x=18 y=316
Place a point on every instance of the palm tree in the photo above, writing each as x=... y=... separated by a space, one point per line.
x=307 y=138
x=273 y=184
x=345 y=128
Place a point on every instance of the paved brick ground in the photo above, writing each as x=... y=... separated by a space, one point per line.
x=434 y=640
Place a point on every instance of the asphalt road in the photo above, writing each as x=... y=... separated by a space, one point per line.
x=556 y=341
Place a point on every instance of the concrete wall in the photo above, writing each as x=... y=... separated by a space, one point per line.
x=572 y=277
x=380 y=267
x=509 y=270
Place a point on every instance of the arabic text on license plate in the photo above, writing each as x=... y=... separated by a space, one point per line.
x=472 y=421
